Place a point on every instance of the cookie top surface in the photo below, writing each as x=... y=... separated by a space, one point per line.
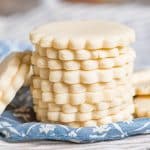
x=82 y=35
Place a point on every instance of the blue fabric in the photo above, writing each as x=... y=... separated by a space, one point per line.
x=18 y=122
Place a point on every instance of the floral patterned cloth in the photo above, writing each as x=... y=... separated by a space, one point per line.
x=18 y=122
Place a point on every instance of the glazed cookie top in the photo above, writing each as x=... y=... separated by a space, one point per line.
x=82 y=35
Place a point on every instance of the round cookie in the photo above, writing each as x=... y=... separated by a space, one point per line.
x=87 y=64
x=84 y=76
x=81 y=98
x=81 y=117
x=82 y=35
x=142 y=106
x=123 y=115
x=141 y=80
x=60 y=87
x=14 y=73
x=107 y=120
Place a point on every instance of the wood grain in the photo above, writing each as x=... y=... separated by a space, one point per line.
x=134 y=143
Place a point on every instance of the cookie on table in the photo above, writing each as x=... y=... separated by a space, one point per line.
x=141 y=80
x=142 y=88
x=142 y=106
x=99 y=122
x=81 y=98
x=53 y=53
x=83 y=108
x=85 y=119
x=87 y=64
x=60 y=87
x=84 y=77
x=141 y=76
x=75 y=35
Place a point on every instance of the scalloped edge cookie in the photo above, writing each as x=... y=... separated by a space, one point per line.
x=87 y=64
x=141 y=81
x=14 y=71
x=82 y=35
x=81 y=98
x=123 y=115
x=60 y=87
x=142 y=106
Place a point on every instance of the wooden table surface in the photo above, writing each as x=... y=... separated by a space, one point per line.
x=141 y=142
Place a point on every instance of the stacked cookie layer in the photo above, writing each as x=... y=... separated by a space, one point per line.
x=15 y=71
x=142 y=93
x=82 y=73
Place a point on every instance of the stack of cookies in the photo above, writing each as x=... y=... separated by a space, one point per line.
x=142 y=93
x=82 y=73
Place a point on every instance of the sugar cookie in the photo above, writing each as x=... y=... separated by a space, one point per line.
x=60 y=87
x=141 y=76
x=53 y=53
x=74 y=35
x=142 y=106
x=86 y=77
x=141 y=80
x=80 y=98
x=124 y=115
x=81 y=117
x=94 y=123
x=85 y=108
x=85 y=64
x=14 y=73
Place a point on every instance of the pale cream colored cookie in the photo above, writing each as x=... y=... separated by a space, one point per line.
x=81 y=117
x=44 y=62
x=142 y=88
x=123 y=112
x=8 y=69
x=106 y=120
x=86 y=77
x=47 y=86
x=60 y=87
x=142 y=106
x=14 y=73
x=84 y=108
x=82 y=35
x=74 y=55
x=27 y=60
x=81 y=98
x=122 y=116
x=67 y=54
x=82 y=76
x=141 y=76
x=83 y=54
x=141 y=82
